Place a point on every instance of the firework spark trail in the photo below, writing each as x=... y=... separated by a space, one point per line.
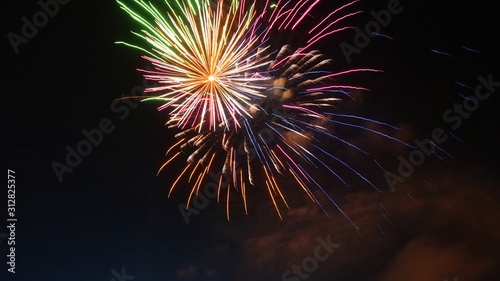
x=282 y=115
x=226 y=88
x=203 y=78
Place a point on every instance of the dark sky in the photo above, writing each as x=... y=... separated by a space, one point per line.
x=110 y=218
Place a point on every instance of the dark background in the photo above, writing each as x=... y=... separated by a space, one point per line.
x=111 y=212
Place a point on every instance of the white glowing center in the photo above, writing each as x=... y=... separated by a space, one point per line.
x=211 y=78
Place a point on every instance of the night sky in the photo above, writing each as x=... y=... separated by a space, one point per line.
x=110 y=219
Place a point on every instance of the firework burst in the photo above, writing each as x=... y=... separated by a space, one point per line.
x=239 y=105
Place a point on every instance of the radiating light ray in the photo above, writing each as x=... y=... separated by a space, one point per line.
x=363 y=118
x=272 y=198
x=349 y=167
x=331 y=14
x=352 y=71
x=471 y=50
x=304 y=187
x=373 y=131
x=323 y=31
x=177 y=180
x=441 y=53
x=337 y=87
x=327 y=167
x=382 y=35
x=165 y=164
